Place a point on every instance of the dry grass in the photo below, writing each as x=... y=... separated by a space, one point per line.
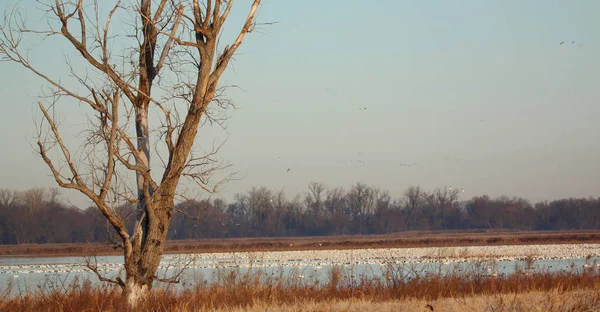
x=397 y=240
x=583 y=300
x=235 y=290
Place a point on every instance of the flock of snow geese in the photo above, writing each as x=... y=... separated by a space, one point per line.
x=319 y=259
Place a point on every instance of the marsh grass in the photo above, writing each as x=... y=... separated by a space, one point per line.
x=296 y=290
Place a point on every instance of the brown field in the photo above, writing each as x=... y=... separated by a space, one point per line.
x=581 y=300
x=397 y=240
x=577 y=290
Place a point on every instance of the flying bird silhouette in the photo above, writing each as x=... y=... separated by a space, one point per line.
x=408 y=165
x=562 y=42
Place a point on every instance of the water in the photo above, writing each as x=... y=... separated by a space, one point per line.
x=29 y=274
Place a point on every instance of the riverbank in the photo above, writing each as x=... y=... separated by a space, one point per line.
x=575 y=290
x=411 y=239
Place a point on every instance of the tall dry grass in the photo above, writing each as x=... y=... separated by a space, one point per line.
x=399 y=286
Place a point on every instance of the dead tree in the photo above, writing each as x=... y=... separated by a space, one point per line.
x=172 y=63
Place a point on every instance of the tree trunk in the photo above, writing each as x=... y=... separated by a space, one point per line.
x=142 y=264
x=134 y=291
x=147 y=241
x=143 y=145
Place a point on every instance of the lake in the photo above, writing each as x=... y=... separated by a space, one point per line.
x=29 y=274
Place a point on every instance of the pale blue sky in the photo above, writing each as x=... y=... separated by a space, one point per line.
x=484 y=82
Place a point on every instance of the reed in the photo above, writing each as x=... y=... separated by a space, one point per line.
x=255 y=289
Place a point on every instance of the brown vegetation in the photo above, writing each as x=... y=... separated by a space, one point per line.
x=559 y=291
x=36 y=217
x=397 y=240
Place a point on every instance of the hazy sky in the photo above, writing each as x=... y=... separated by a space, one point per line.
x=480 y=94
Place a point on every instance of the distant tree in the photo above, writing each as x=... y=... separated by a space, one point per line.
x=414 y=200
x=33 y=199
x=337 y=213
x=237 y=216
x=260 y=207
x=280 y=216
x=543 y=215
x=7 y=198
x=361 y=200
x=479 y=212
x=388 y=216
x=448 y=213
x=264 y=212
x=590 y=213
x=313 y=200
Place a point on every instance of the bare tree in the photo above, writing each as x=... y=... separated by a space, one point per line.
x=260 y=204
x=335 y=205
x=33 y=198
x=444 y=202
x=414 y=198
x=7 y=198
x=171 y=47
x=313 y=200
x=361 y=202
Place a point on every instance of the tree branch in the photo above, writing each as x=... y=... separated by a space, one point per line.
x=225 y=57
x=169 y=42
x=94 y=268
x=79 y=184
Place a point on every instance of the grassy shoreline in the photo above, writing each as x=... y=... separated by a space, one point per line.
x=235 y=290
x=397 y=240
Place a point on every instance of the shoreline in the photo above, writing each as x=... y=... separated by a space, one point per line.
x=415 y=239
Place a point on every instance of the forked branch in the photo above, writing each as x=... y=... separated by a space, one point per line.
x=93 y=266
x=228 y=52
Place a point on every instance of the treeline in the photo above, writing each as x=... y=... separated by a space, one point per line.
x=36 y=216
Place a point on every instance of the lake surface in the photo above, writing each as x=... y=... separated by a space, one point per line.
x=29 y=274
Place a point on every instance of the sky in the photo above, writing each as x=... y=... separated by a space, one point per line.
x=480 y=94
